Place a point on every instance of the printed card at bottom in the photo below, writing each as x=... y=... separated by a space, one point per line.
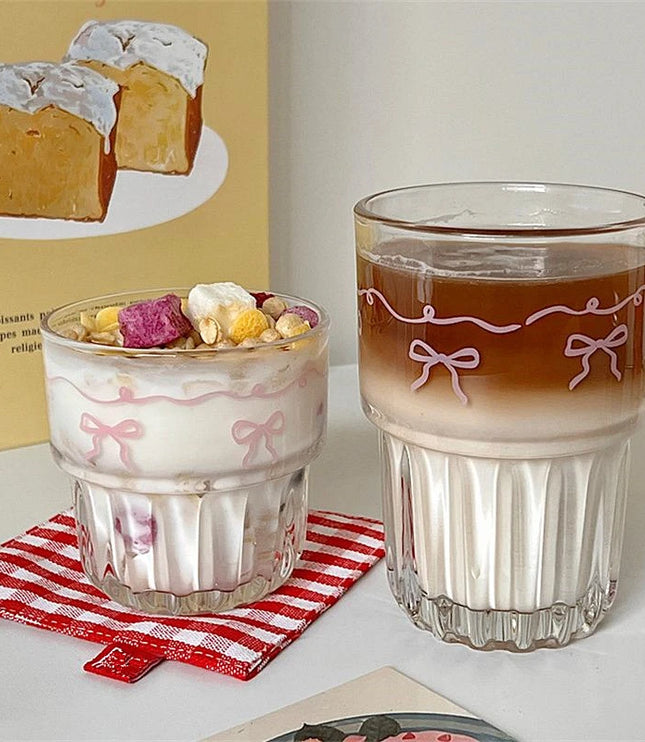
x=383 y=706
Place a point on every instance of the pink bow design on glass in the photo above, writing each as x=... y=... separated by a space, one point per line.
x=120 y=433
x=426 y=354
x=247 y=433
x=616 y=338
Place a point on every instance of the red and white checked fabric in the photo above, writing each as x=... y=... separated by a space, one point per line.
x=42 y=584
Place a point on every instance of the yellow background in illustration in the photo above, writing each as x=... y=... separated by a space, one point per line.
x=223 y=239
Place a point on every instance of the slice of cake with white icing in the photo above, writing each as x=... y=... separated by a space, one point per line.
x=57 y=124
x=161 y=70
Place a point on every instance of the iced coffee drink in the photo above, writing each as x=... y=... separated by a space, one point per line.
x=503 y=364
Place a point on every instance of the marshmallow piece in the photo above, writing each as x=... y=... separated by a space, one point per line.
x=155 y=322
x=221 y=303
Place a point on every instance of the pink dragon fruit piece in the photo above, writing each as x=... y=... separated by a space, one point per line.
x=306 y=314
x=261 y=296
x=138 y=532
x=155 y=322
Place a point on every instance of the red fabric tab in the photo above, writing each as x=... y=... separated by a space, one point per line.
x=121 y=663
x=42 y=584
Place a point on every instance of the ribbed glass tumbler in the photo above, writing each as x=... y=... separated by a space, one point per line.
x=501 y=357
x=189 y=468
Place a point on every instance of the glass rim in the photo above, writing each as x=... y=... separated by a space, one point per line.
x=363 y=210
x=51 y=334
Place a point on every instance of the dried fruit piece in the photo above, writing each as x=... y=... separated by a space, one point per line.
x=305 y=313
x=249 y=324
x=154 y=322
x=261 y=296
x=107 y=319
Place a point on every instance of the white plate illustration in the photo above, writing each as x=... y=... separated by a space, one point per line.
x=138 y=200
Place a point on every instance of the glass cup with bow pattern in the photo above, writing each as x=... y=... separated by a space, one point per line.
x=501 y=358
x=189 y=467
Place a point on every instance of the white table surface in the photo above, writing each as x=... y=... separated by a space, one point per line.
x=592 y=690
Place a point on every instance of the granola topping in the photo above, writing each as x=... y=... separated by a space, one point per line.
x=213 y=316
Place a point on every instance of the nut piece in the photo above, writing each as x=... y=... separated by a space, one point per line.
x=274 y=306
x=306 y=314
x=225 y=343
x=178 y=344
x=104 y=338
x=87 y=321
x=270 y=336
x=210 y=330
x=290 y=325
x=76 y=332
x=249 y=343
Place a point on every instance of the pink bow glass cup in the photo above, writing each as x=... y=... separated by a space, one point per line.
x=189 y=467
x=501 y=358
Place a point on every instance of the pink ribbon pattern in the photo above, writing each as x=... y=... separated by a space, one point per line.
x=423 y=353
x=429 y=315
x=616 y=338
x=121 y=432
x=248 y=433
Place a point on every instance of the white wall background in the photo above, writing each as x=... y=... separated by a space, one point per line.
x=372 y=95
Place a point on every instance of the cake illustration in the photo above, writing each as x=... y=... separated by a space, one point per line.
x=160 y=69
x=398 y=727
x=376 y=729
x=57 y=155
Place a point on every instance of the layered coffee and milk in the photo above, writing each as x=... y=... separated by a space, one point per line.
x=506 y=384
x=517 y=355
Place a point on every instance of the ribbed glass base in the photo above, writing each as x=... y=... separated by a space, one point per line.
x=191 y=553
x=509 y=554
x=550 y=627
x=207 y=601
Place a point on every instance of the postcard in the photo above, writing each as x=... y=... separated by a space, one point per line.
x=383 y=706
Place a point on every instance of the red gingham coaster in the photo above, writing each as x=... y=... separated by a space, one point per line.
x=42 y=584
